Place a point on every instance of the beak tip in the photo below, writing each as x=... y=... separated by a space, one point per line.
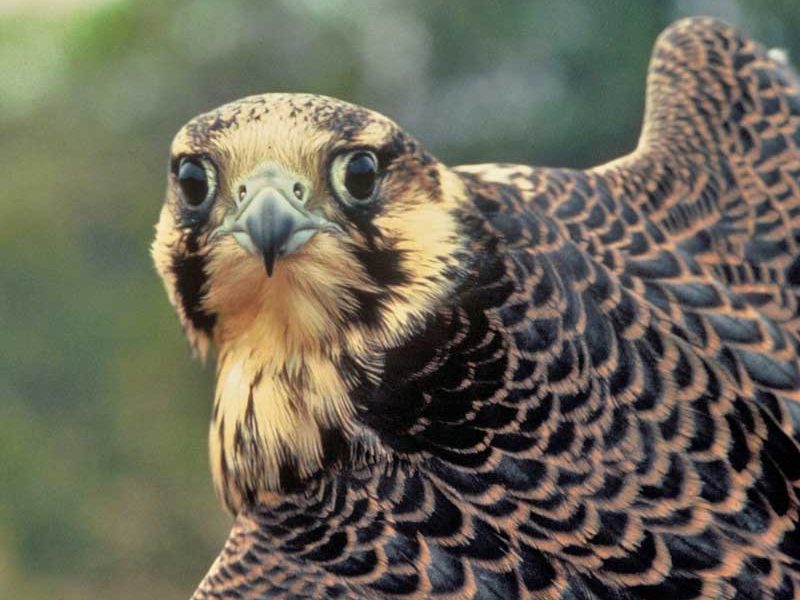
x=269 y=261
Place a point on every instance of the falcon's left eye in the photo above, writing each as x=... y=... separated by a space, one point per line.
x=355 y=176
x=197 y=179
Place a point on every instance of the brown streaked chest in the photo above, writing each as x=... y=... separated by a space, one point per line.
x=280 y=386
x=271 y=419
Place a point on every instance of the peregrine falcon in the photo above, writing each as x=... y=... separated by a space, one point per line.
x=501 y=381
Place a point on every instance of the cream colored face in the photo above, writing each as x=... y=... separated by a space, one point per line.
x=396 y=240
x=357 y=283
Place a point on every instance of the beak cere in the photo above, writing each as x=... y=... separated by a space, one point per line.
x=273 y=225
x=270 y=220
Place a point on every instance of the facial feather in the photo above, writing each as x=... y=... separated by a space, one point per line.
x=292 y=347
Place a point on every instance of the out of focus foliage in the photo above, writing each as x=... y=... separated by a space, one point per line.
x=104 y=487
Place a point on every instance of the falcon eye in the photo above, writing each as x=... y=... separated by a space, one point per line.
x=355 y=176
x=360 y=175
x=196 y=179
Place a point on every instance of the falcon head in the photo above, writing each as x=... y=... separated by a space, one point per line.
x=301 y=236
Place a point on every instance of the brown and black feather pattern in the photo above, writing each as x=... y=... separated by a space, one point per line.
x=608 y=406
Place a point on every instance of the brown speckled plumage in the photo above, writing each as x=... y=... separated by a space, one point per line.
x=585 y=386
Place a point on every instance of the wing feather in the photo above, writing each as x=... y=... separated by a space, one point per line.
x=620 y=423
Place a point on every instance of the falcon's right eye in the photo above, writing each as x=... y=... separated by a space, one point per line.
x=197 y=179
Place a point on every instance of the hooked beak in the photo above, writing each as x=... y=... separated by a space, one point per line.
x=271 y=219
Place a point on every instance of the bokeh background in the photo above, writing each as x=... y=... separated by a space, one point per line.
x=104 y=485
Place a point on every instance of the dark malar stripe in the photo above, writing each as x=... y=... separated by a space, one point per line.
x=190 y=282
x=384 y=266
x=370 y=307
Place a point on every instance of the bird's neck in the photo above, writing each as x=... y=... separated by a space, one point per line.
x=274 y=423
x=296 y=367
x=281 y=408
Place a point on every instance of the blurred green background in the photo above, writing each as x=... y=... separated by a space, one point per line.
x=104 y=486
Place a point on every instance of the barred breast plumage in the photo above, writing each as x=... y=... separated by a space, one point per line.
x=600 y=397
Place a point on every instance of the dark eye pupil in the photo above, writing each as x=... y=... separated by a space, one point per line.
x=360 y=176
x=193 y=181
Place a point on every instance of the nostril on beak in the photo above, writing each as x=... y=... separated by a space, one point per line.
x=298 y=190
x=242 y=192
